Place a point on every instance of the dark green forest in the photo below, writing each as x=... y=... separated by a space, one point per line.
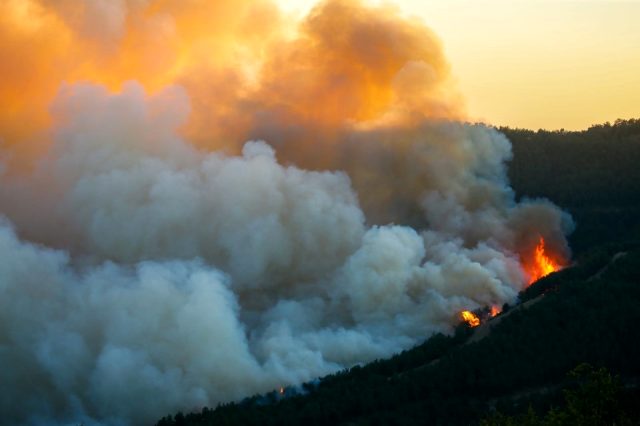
x=594 y=174
x=566 y=354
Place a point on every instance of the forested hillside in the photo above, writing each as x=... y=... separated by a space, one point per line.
x=594 y=174
x=587 y=313
x=515 y=368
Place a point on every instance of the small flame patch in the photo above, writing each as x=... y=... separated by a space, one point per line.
x=495 y=310
x=470 y=318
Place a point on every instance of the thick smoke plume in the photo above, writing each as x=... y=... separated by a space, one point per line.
x=203 y=201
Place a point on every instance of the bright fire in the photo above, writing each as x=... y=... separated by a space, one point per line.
x=542 y=265
x=495 y=310
x=470 y=318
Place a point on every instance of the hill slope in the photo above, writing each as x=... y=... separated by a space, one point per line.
x=587 y=313
x=593 y=174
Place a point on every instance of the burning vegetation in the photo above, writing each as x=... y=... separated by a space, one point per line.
x=543 y=263
x=470 y=318
x=474 y=319
x=495 y=310
x=362 y=210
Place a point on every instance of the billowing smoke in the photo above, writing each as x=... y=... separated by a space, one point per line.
x=216 y=202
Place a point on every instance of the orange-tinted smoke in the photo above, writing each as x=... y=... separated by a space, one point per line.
x=346 y=66
x=244 y=64
x=45 y=44
x=355 y=64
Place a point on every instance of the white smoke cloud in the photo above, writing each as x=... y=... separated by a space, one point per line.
x=85 y=343
x=177 y=278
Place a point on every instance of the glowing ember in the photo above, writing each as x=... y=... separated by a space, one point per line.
x=470 y=318
x=495 y=310
x=542 y=265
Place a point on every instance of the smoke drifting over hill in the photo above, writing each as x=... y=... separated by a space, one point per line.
x=154 y=260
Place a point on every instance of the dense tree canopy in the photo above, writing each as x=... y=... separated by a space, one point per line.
x=594 y=174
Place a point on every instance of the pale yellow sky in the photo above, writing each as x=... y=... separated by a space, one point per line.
x=537 y=63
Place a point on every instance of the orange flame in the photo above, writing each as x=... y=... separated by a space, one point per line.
x=542 y=264
x=495 y=310
x=470 y=318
